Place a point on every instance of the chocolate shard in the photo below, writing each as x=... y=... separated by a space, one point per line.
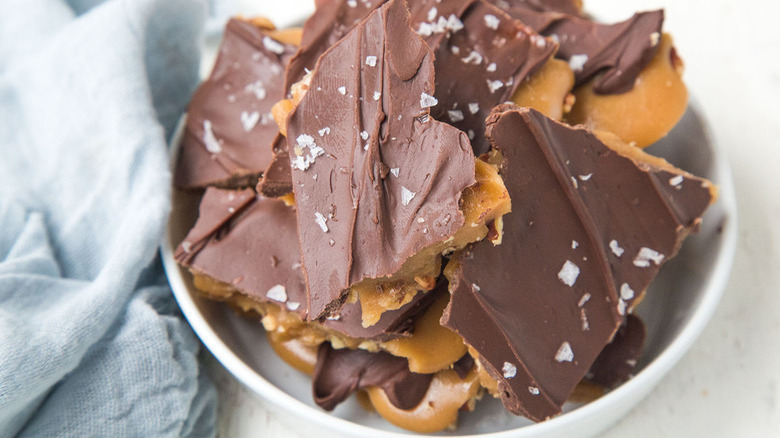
x=589 y=230
x=375 y=178
x=339 y=373
x=617 y=52
x=251 y=243
x=229 y=125
x=483 y=63
x=617 y=361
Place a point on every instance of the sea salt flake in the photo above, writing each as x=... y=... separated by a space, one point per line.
x=676 y=181
x=586 y=177
x=475 y=288
x=509 y=370
x=574 y=182
x=533 y=390
x=646 y=255
x=257 y=88
x=186 y=246
x=491 y=67
x=432 y=13
x=272 y=45
x=395 y=171
x=654 y=38
x=321 y=221
x=406 y=195
x=371 y=61
x=352 y=3
x=473 y=108
x=626 y=292
x=621 y=307
x=577 y=62
x=564 y=354
x=302 y=160
x=324 y=131
x=277 y=293
x=615 y=247
x=569 y=273
x=364 y=135
x=584 y=320
x=453 y=23
x=494 y=86
x=343 y=90
x=427 y=101
x=473 y=58
x=574 y=244
x=492 y=21
x=249 y=120
x=209 y=139
x=585 y=298
x=455 y=115
x=471 y=134
x=293 y=305
x=377 y=95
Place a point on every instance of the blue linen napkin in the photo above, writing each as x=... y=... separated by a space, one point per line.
x=90 y=340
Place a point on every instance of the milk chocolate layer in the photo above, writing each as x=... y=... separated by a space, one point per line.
x=229 y=126
x=481 y=66
x=375 y=178
x=617 y=52
x=588 y=232
x=339 y=373
x=251 y=243
x=617 y=361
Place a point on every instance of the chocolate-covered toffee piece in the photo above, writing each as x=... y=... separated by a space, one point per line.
x=481 y=65
x=244 y=250
x=617 y=52
x=339 y=373
x=229 y=127
x=376 y=179
x=590 y=228
x=617 y=361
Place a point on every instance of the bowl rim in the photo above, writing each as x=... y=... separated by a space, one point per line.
x=645 y=380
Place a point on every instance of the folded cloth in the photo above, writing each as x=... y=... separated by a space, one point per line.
x=90 y=341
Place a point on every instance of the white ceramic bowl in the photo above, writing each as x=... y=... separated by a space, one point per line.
x=677 y=307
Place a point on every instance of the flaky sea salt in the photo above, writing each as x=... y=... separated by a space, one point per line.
x=564 y=353
x=406 y=195
x=427 y=101
x=321 y=221
x=646 y=255
x=277 y=293
x=508 y=370
x=455 y=115
x=209 y=139
x=272 y=45
x=577 y=62
x=615 y=247
x=371 y=61
x=569 y=273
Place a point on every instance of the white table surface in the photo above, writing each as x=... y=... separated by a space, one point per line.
x=728 y=385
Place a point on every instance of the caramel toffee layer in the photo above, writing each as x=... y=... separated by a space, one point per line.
x=229 y=126
x=375 y=178
x=250 y=243
x=616 y=51
x=590 y=231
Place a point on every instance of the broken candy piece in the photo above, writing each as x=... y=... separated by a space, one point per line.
x=481 y=66
x=619 y=51
x=229 y=127
x=571 y=7
x=593 y=226
x=339 y=373
x=244 y=250
x=376 y=180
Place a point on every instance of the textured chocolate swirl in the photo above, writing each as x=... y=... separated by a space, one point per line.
x=339 y=373
x=229 y=125
x=588 y=232
x=375 y=178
